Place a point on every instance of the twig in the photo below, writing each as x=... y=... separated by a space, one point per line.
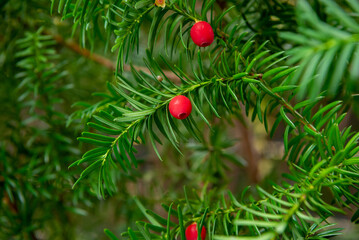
x=248 y=148
x=104 y=61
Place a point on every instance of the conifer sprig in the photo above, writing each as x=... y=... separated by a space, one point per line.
x=327 y=51
x=275 y=215
x=239 y=71
x=36 y=142
x=129 y=123
x=147 y=110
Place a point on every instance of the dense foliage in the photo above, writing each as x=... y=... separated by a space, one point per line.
x=288 y=67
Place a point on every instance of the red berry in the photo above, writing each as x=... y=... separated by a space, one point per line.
x=180 y=107
x=202 y=34
x=192 y=233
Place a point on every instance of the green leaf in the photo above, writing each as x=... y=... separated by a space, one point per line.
x=283 y=73
x=198 y=111
x=160 y=219
x=340 y=67
x=324 y=109
x=95 y=142
x=148 y=216
x=284 y=88
x=256 y=223
x=110 y=234
x=152 y=136
x=285 y=138
x=98 y=136
x=285 y=118
x=274 y=71
x=88 y=170
x=142 y=3
x=264 y=236
x=145 y=233
x=274 y=198
x=252 y=211
x=268 y=59
x=169 y=223
x=180 y=220
x=351 y=161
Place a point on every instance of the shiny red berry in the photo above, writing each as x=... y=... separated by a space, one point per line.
x=180 y=107
x=202 y=34
x=192 y=233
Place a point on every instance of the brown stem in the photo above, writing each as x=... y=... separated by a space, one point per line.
x=84 y=52
x=248 y=149
x=102 y=60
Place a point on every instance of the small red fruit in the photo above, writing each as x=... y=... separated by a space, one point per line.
x=202 y=34
x=160 y=3
x=180 y=107
x=192 y=232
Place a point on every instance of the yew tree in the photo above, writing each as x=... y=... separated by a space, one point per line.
x=139 y=103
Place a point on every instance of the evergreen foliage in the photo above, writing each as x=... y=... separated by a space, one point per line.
x=39 y=143
x=247 y=70
x=327 y=51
